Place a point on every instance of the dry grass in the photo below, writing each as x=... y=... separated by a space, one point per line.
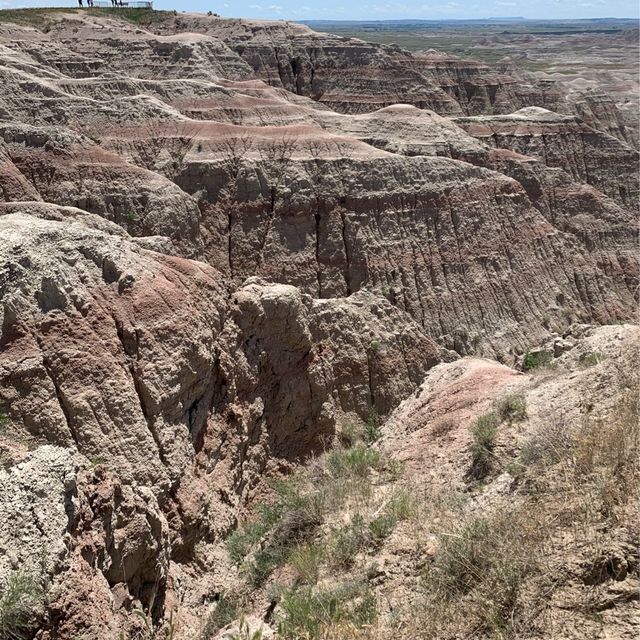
x=476 y=573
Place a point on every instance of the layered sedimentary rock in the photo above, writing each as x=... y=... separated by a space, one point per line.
x=205 y=269
x=145 y=363
x=68 y=169
x=565 y=142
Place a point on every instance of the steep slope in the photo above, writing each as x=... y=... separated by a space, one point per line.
x=143 y=363
x=567 y=143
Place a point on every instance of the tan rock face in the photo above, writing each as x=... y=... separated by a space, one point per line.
x=567 y=143
x=67 y=169
x=141 y=362
x=407 y=227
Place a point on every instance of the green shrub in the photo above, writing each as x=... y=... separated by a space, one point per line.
x=345 y=543
x=382 y=526
x=289 y=520
x=536 y=360
x=373 y=432
x=512 y=407
x=402 y=505
x=484 y=431
x=306 y=561
x=349 y=434
x=310 y=614
x=264 y=562
x=226 y=612
x=357 y=461
x=20 y=600
x=241 y=541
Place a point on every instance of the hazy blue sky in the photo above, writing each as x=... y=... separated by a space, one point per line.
x=383 y=10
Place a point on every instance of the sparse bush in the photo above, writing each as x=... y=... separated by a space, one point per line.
x=590 y=359
x=226 y=611
x=347 y=542
x=357 y=461
x=382 y=526
x=479 y=570
x=289 y=520
x=512 y=407
x=306 y=561
x=373 y=432
x=548 y=445
x=536 y=360
x=264 y=562
x=20 y=602
x=443 y=427
x=607 y=452
x=240 y=542
x=311 y=613
x=402 y=505
x=484 y=431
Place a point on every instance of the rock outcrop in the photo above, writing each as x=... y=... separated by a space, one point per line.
x=565 y=142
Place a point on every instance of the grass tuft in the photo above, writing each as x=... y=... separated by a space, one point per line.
x=484 y=431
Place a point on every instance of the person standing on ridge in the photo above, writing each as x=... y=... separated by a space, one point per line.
x=80 y=3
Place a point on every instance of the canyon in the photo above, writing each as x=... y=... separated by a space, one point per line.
x=230 y=248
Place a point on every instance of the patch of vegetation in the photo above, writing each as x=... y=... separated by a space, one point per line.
x=443 y=427
x=346 y=542
x=359 y=460
x=42 y=18
x=316 y=613
x=536 y=360
x=590 y=359
x=382 y=526
x=373 y=431
x=483 y=562
x=607 y=454
x=241 y=541
x=227 y=610
x=21 y=599
x=306 y=561
x=484 y=431
x=512 y=407
x=284 y=528
x=547 y=446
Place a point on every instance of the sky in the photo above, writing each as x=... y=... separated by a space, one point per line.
x=386 y=10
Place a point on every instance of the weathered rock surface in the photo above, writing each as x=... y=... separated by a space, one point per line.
x=567 y=143
x=64 y=168
x=345 y=250
x=142 y=362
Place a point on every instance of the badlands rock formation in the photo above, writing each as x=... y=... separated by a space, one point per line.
x=222 y=241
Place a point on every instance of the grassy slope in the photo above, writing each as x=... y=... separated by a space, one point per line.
x=41 y=18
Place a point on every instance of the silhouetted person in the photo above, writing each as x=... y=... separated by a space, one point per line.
x=80 y=3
